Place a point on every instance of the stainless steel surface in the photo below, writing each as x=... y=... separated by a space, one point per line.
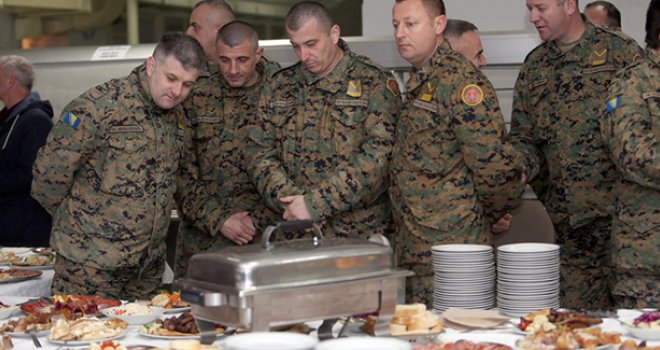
x=294 y=281
x=247 y=270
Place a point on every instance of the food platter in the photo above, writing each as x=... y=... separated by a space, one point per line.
x=87 y=305
x=20 y=266
x=14 y=275
x=177 y=310
x=143 y=332
x=88 y=341
x=34 y=262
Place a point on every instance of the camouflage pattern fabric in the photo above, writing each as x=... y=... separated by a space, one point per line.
x=630 y=130
x=452 y=168
x=583 y=277
x=413 y=252
x=215 y=183
x=329 y=139
x=557 y=105
x=107 y=176
x=73 y=278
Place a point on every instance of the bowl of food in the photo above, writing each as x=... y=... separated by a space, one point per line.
x=6 y=310
x=134 y=313
x=646 y=326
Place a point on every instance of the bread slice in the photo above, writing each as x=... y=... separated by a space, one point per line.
x=428 y=321
x=398 y=329
x=408 y=310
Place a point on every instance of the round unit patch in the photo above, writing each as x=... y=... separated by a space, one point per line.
x=472 y=95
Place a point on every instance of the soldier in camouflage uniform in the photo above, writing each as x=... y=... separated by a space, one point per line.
x=322 y=137
x=453 y=172
x=630 y=130
x=107 y=175
x=558 y=99
x=219 y=204
x=206 y=19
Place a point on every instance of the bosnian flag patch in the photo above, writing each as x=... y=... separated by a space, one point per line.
x=613 y=104
x=72 y=120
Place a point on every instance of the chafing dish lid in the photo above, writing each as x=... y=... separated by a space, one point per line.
x=290 y=263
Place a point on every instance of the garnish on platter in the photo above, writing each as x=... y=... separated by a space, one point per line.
x=548 y=320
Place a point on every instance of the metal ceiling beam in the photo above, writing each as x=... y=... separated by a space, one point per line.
x=73 y=5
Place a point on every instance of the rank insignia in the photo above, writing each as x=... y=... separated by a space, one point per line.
x=599 y=58
x=613 y=104
x=427 y=92
x=354 y=88
x=472 y=95
x=71 y=120
x=179 y=120
x=393 y=86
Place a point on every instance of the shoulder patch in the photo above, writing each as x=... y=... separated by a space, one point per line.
x=472 y=95
x=71 y=120
x=613 y=104
x=393 y=86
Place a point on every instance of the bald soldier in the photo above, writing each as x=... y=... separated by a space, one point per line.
x=107 y=175
x=322 y=136
x=463 y=37
x=603 y=13
x=206 y=18
x=557 y=105
x=219 y=205
x=453 y=172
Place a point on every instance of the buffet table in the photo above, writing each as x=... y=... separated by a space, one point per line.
x=37 y=287
x=506 y=336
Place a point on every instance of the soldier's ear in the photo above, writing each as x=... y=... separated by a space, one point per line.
x=259 y=53
x=151 y=64
x=439 y=24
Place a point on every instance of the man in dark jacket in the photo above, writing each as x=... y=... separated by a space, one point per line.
x=25 y=122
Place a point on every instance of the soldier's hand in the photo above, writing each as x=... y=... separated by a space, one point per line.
x=296 y=209
x=239 y=228
x=502 y=225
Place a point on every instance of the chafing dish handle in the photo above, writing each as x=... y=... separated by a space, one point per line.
x=288 y=226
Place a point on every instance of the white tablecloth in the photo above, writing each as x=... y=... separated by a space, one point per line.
x=448 y=335
x=38 y=287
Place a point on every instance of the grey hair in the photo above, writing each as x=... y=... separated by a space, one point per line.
x=184 y=48
x=236 y=32
x=20 y=67
x=303 y=11
x=457 y=27
x=217 y=4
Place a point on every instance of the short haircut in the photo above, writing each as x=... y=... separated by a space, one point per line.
x=653 y=25
x=236 y=32
x=217 y=4
x=434 y=8
x=613 y=14
x=183 y=48
x=20 y=67
x=457 y=27
x=303 y=11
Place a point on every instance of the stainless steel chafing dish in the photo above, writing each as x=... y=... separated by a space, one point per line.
x=271 y=284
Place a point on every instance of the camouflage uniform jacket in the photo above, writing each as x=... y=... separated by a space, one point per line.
x=451 y=163
x=107 y=174
x=329 y=139
x=557 y=104
x=215 y=183
x=631 y=130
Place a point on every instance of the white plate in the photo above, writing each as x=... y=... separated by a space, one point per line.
x=462 y=248
x=42 y=267
x=86 y=342
x=364 y=343
x=270 y=341
x=27 y=335
x=528 y=248
x=133 y=320
x=641 y=333
x=172 y=337
x=176 y=310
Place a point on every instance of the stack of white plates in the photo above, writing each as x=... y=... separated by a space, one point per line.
x=464 y=276
x=527 y=278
